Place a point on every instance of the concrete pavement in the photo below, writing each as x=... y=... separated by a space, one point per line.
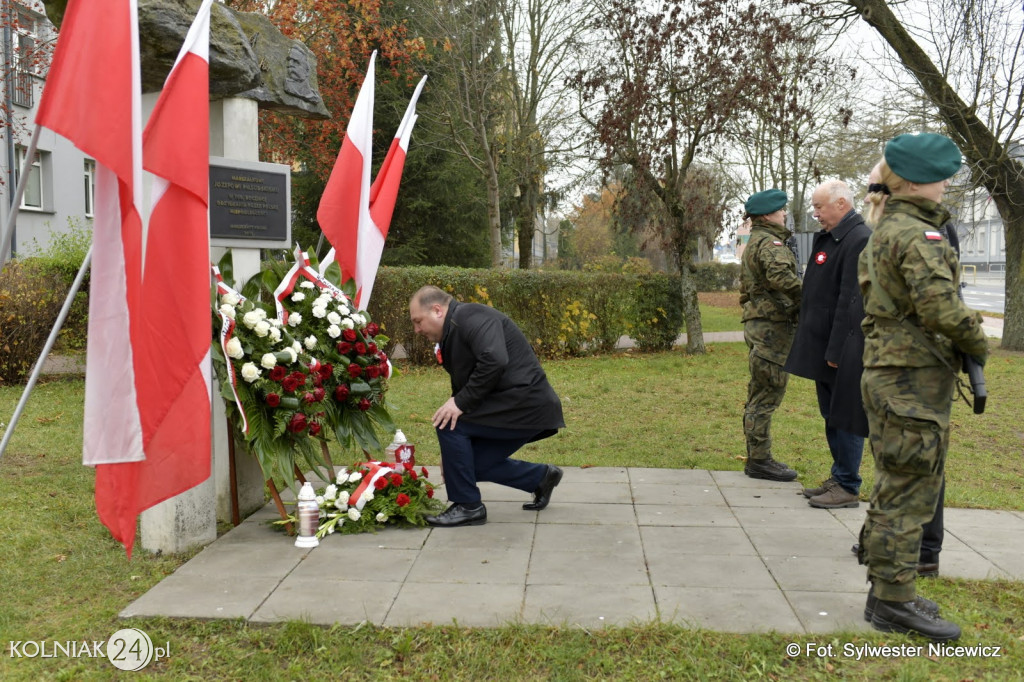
x=709 y=549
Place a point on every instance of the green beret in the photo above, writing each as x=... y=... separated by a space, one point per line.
x=923 y=158
x=768 y=201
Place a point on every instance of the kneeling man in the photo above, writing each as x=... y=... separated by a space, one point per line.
x=501 y=400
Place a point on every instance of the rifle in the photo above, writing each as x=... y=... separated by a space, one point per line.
x=973 y=369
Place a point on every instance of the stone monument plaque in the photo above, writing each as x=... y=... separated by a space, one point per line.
x=250 y=204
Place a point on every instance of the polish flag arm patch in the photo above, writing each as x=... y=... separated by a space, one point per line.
x=933 y=235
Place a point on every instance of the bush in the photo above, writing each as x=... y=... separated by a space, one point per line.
x=62 y=257
x=716 y=276
x=31 y=296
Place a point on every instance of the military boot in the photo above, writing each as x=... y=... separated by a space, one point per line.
x=768 y=469
x=926 y=605
x=909 y=616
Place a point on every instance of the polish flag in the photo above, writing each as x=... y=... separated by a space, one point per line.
x=344 y=212
x=92 y=97
x=383 y=194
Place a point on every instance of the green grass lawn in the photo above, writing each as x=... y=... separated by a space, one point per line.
x=64 y=578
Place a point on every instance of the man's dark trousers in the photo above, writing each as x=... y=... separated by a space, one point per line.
x=471 y=453
x=847 y=448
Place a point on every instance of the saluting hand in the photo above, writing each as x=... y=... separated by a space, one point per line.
x=447 y=415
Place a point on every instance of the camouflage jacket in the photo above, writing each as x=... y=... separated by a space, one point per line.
x=769 y=286
x=919 y=270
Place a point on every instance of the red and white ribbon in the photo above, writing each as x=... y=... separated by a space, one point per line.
x=377 y=469
x=227 y=329
x=301 y=269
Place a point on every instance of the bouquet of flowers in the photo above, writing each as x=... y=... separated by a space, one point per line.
x=298 y=370
x=374 y=494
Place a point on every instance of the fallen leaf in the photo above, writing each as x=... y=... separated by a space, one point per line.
x=47 y=420
x=61 y=557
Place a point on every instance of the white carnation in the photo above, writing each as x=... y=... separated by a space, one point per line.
x=354 y=476
x=334 y=331
x=310 y=342
x=342 y=476
x=333 y=317
x=294 y=320
x=306 y=284
x=230 y=298
x=347 y=323
x=320 y=500
x=298 y=296
x=268 y=360
x=262 y=328
x=344 y=309
x=354 y=514
x=330 y=492
x=342 y=498
x=228 y=311
x=249 y=372
x=382 y=517
x=359 y=319
x=234 y=349
x=319 y=312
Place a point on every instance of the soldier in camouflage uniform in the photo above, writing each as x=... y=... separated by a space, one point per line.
x=770 y=296
x=907 y=388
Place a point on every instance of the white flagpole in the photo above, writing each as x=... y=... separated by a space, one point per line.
x=19 y=192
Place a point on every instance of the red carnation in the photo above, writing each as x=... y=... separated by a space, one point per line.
x=289 y=384
x=380 y=483
x=349 y=335
x=354 y=370
x=297 y=423
x=344 y=347
x=273 y=399
x=317 y=381
x=314 y=429
x=278 y=373
x=372 y=329
x=430 y=492
x=402 y=499
x=372 y=348
x=318 y=394
x=307 y=397
x=364 y=404
x=423 y=470
x=408 y=466
x=341 y=393
x=361 y=348
x=396 y=480
x=412 y=474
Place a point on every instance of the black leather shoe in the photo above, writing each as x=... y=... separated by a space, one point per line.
x=909 y=616
x=926 y=605
x=768 y=469
x=542 y=495
x=459 y=515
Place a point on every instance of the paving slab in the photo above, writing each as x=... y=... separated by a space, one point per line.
x=617 y=546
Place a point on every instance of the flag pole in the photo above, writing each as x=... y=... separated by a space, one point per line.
x=19 y=192
x=38 y=369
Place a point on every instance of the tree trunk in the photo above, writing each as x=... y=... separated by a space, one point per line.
x=526 y=224
x=999 y=174
x=494 y=214
x=691 y=308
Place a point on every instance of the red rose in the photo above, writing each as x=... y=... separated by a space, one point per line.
x=308 y=397
x=364 y=404
x=344 y=347
x=317 y=381
x=354 y=370
x=299 y=376
x=385 y=368
x=326 y=370
x=341 y=393
x=273 y=399
x=396 y=480
x=289 y=384
x=372 y=372
x=297 y=423
x=380 y=483
x=430 y=492
x=402 y=499
x=372 y=348
x=314 y=428
x=372 y=329
x=349 y=335
x=361 y=348
x=278 y=373
x=423 y=470
x=318 y=394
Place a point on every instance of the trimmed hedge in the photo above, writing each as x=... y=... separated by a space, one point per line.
x=31 y=296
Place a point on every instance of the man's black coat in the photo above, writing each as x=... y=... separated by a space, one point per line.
x=495 y=375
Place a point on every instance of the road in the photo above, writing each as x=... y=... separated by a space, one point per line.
x=987 y=294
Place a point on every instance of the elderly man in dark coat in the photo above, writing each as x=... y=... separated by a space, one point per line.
x=501 y=400
x=829 y=338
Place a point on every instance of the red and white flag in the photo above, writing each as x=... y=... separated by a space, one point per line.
x=344 y=212
x=92 y=97
x=383 y=194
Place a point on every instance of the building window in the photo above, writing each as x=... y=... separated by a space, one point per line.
x=33 y=197
x=25 y=60
x=90 y=187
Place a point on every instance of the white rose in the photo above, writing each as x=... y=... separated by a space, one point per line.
x=275 y=334
x=342 y=476
x=319 y=312
x=310 y=342
x=251 y=318
x=382 y=517
x=354 y=476
x=268 y=360
x=333 y=317
x=354 y=514
x=230 y=298
x=228 y=311
x=298 y=296
x=306 y=284
x=274 y=322
x=347 y=323
x=292 y=352
x=294 y=320
x=343 y=309
x=262 y=328
x=249 y=372
x=234 y=348
x=334 y=331
x=330 y=492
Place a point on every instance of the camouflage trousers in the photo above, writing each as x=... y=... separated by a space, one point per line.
x=908 y=418
x=765 y=391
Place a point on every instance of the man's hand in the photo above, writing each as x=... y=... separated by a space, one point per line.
x=831 y=364
x=447 y=415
